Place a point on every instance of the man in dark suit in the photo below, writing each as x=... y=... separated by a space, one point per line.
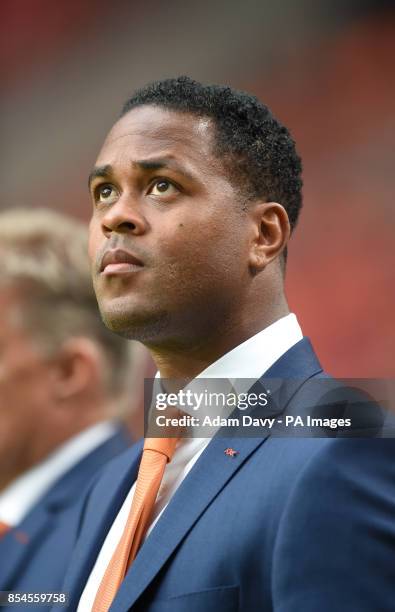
x=195 y=192
x=62 y=384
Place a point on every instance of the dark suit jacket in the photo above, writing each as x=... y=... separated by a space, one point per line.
x=250 y=532
x=35 y=555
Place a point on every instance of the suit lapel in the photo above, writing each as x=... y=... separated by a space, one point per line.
x=102 y=510
x=299 y=362
x=17 y=544
x=188 y=503
x=198 y=490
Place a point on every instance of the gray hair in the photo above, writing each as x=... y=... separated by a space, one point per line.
x=44 y=254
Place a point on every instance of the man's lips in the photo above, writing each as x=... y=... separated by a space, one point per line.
x=118 y=261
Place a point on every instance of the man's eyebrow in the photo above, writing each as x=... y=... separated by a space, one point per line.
x=100 y=171
x=143 y=164
x=161 y=163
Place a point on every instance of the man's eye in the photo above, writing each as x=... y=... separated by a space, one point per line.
x=162 y=187
x=106 y=194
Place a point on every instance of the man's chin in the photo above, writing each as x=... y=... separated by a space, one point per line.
x=135 y=325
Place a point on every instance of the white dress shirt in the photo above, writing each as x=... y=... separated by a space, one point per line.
x=18 y=498
x=249 y=360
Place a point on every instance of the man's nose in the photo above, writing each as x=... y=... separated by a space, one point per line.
x=125 y=216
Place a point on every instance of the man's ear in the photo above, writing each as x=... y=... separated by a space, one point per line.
x=271 y=231
x=76 y=368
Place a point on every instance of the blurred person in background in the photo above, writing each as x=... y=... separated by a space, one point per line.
x=62 y=392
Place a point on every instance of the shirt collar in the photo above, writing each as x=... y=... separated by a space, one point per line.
x=241 y=367
x=257 y=354
x=24 y=492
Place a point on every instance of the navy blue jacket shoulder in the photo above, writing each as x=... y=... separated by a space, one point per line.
x=35 y=555
x=254 y=531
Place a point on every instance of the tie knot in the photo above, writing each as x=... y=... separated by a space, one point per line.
x=165 y=446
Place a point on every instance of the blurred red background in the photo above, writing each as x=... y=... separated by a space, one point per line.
x=325 y=68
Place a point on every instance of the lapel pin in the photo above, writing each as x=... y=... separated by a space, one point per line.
x=21 y=536
x=230 y=452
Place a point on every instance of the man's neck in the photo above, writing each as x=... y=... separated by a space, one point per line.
x=188 y=362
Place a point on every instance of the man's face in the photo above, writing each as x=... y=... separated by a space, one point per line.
x=171 y=228
x=24 y=390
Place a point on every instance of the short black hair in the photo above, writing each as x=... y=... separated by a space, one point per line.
x=256 y=148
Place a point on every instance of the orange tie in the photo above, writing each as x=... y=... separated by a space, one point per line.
x=156 y=453
x=3 y=528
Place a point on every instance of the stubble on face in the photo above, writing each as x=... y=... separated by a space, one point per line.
x=191 y=243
